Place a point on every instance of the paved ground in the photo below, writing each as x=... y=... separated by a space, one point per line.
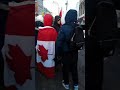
x=43 y=83
x=112 y=72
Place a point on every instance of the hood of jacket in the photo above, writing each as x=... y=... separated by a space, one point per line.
x=71 y=17
x=48 y=20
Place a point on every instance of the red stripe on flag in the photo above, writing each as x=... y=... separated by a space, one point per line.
x=47 y=34
x=21 y=20
x=48 y=72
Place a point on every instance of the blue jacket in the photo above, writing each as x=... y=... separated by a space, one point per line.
x=66 y=32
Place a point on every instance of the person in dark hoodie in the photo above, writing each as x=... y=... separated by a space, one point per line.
x=57 y=22
x=70 y=58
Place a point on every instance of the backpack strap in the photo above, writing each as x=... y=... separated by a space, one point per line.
x=72 y=37
x=99 y=3
x=91 y=26
x=104 y=1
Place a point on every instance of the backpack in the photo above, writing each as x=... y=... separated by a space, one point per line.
x=77 y=39
x=106 y=26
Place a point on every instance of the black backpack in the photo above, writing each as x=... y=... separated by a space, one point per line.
x=77 y=40
x=106 y=26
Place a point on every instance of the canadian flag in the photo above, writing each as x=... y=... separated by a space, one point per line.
x=47 y=36
x=19 y=50
x=60 y=14
x=46 y=51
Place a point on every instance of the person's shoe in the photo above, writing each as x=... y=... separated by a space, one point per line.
x=75 y=87
x=66 y=86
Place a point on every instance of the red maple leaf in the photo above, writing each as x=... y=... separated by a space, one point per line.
x=20 y=64
x=43 y=53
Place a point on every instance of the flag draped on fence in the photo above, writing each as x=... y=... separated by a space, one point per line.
x=18 y=50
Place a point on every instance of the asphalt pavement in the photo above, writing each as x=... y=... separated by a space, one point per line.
x=112 y=72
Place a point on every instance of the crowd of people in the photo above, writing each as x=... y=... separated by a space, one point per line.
x=53 y=46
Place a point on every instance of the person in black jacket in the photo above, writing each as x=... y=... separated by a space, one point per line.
x=70 y=57
x=57 y=22
x=94 y=50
